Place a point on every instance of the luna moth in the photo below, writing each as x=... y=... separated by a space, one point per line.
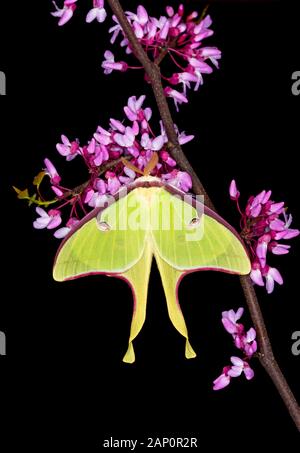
x=151 y=219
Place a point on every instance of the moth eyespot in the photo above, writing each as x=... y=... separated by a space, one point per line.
x=103 y=226
x=194 y=222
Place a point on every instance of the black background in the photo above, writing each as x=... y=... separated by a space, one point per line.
x=64 y=383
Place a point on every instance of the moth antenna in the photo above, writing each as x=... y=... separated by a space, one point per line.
x=131 y=166
x=151 y=164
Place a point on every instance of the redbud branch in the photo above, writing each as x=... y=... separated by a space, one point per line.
x=152 y=70
x=101 y=170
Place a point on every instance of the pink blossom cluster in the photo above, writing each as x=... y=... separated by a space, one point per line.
x=132 y=139
x=176 y=35
x=66 y=13
x=264 y=223
x=244 y=341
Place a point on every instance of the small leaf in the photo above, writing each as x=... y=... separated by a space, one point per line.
x=39 y=178
x=16 y=189
x=22 y=194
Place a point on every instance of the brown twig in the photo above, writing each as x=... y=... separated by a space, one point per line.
x=102 y=169
x=266 y=355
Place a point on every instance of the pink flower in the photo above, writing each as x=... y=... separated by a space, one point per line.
x=182 y=137
x=68 y=149
x=103 y=137
x=250 y=344
x=277 y=225
x=223 y=380
x=282 y=227
x=229 y=320
x=178 y=98
x=185 y=78
x=165 y=157
x=276 y=208
x=129 y=176
x=272 y=275
x=109 y=65
x=117 y=125
x=179 y=179
x=47 y=220
x=240 y=366
x=256 y=274
x=288 y=233
x=58 y=192
x=211 y=53
x=63 y=232
x=138 y=21
x=97 y=153
x=52 y=172
x=100 y=186
x=141 y=17
x=246 y=342
x=154 y=144
x=97 y=196
x=234 y=193
x=262 y=248
x=113 y=183
x=198 y=67
x=134 y=111
x=255 y=204
x=65 y=13
x=97 y=12
x=127 y=139
x=101 y=155
x=279 y=249
x=202 y=30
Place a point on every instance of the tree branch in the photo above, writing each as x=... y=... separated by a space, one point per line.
x=101 y=170
x=266 y=355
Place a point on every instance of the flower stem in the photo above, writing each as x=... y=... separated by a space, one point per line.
x=266 y=355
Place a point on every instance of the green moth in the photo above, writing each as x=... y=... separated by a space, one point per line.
x=151 y=219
